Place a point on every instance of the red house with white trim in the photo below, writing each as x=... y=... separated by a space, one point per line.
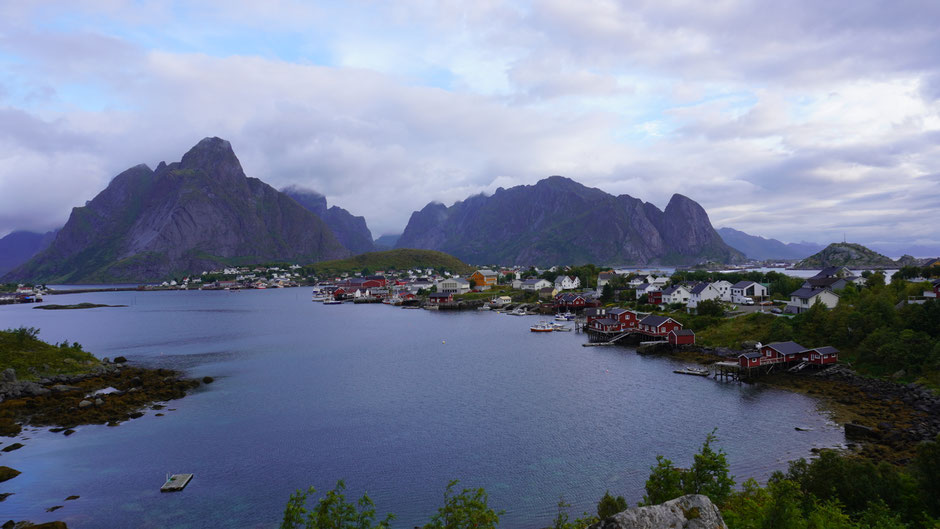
x=658 y=325
x=784 y=352
x=681 y=337
x=822 y=355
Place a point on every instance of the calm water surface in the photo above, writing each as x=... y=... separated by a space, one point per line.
x=396 y=402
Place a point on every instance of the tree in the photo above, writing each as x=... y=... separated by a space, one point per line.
x=607 y=293
x=709 y=473
x=331 y=511
x=710 y=307
x=664 y=483
x=473 y=283
x=609 y=505
x=466 y=510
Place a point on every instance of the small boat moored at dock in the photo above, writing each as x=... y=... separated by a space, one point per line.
x=542 y=326
x=696 y=371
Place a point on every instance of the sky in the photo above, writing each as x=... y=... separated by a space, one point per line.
x=798 y=120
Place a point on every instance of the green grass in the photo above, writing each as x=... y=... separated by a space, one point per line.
x=731 y=332
x=21 y=350
x=401 y=259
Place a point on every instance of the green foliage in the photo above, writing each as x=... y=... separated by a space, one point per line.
x=609 y=505
x=468 y=509
x=607 y=293
x=664 y=483
x=926 y=472
x=708 y=475
x=710 y=307
x=561 y=519
x=331 y=511
x=22 y=350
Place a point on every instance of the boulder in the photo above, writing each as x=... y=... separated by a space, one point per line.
x=84 y=404
x=692 y=511
x=63 y=388
x=9 y=375
x=119 y=360
x=859 y=431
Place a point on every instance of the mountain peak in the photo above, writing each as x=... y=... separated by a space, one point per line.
x=214 y=156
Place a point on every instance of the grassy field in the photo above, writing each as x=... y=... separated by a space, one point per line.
x=21 y=349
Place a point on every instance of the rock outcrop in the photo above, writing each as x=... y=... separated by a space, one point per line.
x=693 y=511
x=846 y=254
x=558 y=220
x=185 y=217
x=351 y=231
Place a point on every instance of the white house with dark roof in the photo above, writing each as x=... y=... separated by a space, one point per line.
x=724 y=289
x=534 y=284
x=804 y=298
x=567 y=282
x=701 y=292
x=676 y=294
x=453 y=285
x=644 y=289
x=744 y=290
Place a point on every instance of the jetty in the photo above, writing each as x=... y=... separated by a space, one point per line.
x=176 y=482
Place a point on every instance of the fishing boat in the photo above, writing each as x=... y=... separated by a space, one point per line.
x=542 y=326
x=560 y=327
x=332 y=302
x=696 y=371
x=518 y=312
x=567 y=316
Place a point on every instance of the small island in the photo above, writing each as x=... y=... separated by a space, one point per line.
x=75 y=306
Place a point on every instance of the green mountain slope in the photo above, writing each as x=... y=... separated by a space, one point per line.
x=846 y=254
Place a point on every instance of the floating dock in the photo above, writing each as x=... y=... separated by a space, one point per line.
x=176 y=482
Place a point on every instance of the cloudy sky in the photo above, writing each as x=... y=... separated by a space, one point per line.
x=800 y=120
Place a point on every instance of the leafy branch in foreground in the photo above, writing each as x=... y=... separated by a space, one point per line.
x=331 y=511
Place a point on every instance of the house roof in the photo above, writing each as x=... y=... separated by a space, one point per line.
x=617 y=311
x=487 y=273
x=682 y=332
x=699 y=288
x=546 y=290
x=606 y=275
x=786 y=348
x=823 y=282
x=826 y=350
x=807 y=293
x=655 y=321
x=532 y=281
x=643 y=286
x=743 y=284
x=607 y=321
x=752 y=355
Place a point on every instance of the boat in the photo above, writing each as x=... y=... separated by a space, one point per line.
x=696 y=371
x=542 y=326
x=332 y=302
x=567 y=316
x=483 y=307
x=517 y=312
x=560 y=327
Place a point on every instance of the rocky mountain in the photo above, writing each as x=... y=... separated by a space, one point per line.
x=846 y=254
x=19 y=246
x=756 y=247
x=184 y=217
x=387 y=241
x=558 y=220
x=351 y=231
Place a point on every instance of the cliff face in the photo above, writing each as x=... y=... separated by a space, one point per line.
x=185 y=217
x=558 y=220
x=351 y=231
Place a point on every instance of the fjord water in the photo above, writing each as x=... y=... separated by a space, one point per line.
x=396 y=402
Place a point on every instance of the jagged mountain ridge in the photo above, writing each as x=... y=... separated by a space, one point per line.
x=558 y=220
x=19 y=246
x=351 y=231
x=756 y=247
x=184 y=217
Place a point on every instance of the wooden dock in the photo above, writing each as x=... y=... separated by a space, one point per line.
x=176 y=482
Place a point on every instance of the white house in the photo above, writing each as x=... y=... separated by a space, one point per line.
x=535 y=284
x=604 y=277
x=724 y=289
x=637 y=281
x=744 y=290
x=644 y=289
x=453 y=285
x=660 y=282
x=676 y=294
x=801 y=300
x=567 y=282
x=701 y=292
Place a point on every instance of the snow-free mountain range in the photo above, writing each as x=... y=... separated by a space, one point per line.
x=203 y=212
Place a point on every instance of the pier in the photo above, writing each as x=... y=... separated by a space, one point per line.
x=176 y=482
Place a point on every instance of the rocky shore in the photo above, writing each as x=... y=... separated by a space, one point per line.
x=110 y=393
x=883 y=420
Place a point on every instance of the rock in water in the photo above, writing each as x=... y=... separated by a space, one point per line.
x=693 y=511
